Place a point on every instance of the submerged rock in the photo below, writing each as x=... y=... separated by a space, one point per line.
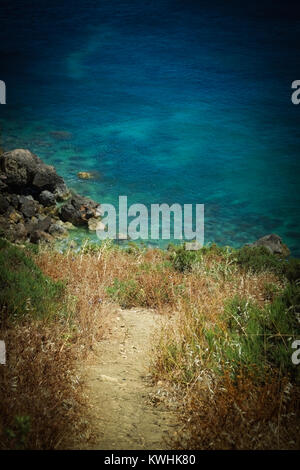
x=88 y=175
x=61 y=135
x=85 y=175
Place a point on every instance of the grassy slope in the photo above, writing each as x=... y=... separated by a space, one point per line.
x=46 y=330
x=226 y=349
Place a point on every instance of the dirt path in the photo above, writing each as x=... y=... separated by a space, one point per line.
x=120 y=390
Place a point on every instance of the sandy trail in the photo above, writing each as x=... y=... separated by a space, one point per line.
x=119 y=387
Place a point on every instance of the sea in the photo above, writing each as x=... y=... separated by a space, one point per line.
x=166 y=101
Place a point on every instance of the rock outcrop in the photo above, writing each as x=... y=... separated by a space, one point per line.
x=29 y=193
x=273 y=243
x=78 y=210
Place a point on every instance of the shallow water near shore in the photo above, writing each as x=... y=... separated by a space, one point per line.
x=169 y=102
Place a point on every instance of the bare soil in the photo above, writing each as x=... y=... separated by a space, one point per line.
x=125 y=414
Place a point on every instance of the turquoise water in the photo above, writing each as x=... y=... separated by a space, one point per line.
x=170 y=101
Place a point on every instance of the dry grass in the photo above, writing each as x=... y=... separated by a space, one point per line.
x=84 y=280
x=179 y=356
x=218 y=411
x=240 y=415
x=41 y=395
x=90 y=276
x=43 y=404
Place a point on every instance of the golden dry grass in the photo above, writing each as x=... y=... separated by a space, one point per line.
x=43 y=403
x=216 y=413
x=39 y=385
x=240 y=415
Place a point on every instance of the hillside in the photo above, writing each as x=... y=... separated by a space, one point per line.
x=219 y=363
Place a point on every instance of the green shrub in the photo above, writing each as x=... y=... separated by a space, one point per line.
x=257 y=339
x=183 y=260
x=23 y=287
x=270 y=290
x=18 y=435
x=292 y=270
x=4 y=243
x=127 y=293
x=90 y=247
x=215 y=250
x=134 y=248
x=258 y=259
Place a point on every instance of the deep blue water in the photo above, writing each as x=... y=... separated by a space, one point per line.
x=171 y=101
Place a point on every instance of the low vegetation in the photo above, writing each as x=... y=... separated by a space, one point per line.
x=230 y=350
x=47 y=325
x=225 y=353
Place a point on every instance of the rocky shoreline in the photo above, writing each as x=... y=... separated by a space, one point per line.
x=35 y=203
x=37 y=206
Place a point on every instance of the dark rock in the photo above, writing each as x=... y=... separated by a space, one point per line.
x=4 y=225
x=28 y=206
x=79 y=210
x=14 y=216
x=68 y=213
x=13 y=200
x=61 y=192
x=23 y=170
x=47 y=198
x=53 y=211
x=273 y=243
x=31 y=226
x=19 y=167
x=44 y=224
x=46 y=178
x=82 y=201
x=39 y=236
x=13 y=232
x=20 y=232
x=29 y=192
x=3 y=185
x=58 y=231
x=4 y=204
